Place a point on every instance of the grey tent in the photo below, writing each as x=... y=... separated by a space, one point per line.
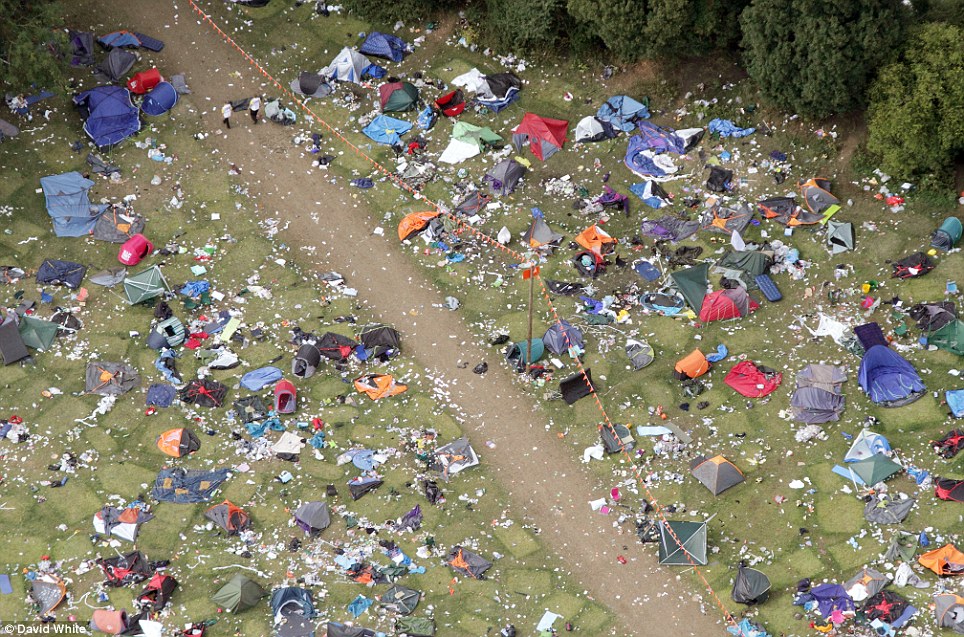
x=682 y=543
x=717 y=473
x=504 y=176
x=947 y=236
x=903 y=546
x=415 y=626
x=840 y=236
x=186 y=487
x=400 y=599
x=167 y=333
x=616 y=438
x=867 y=583
x=229 y=517
x=311 y=85
x=540 y=234
x=110 y=379
x=750 y=586
x=887 y=510
x=313 y=517
x=455 y=456
x=145 y=285
x=561 y=336
x=640 y=353
x=110 y=277
x=692 y=284
x=467 y=562
x=12 y=348
x=337 y=629
x=818 y=398
x=593 y=129
x=7 y=130
x=117 y=225
x=293 y=609
x=306 y=361
x=240 y=593
x=47 y=591
x=949 y=612
x=115 y=66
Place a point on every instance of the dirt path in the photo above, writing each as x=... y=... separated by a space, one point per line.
x=548 y=485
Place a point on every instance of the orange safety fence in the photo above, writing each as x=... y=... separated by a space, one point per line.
x=517 y=256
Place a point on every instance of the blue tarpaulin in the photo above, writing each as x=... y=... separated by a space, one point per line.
x=260 y=378
x=955 y=402
x=387 y=130
x=111 y=117
x=726 y=128
x=68 y=204
x=384 y=45
x=622 y=111
x=195 y=288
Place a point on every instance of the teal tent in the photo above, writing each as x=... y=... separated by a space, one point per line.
x=950 y=337
x=145 y=285
x=874 y=469
x=692 y=284
x=37 y=333
x=947 y=236
x=682 y=543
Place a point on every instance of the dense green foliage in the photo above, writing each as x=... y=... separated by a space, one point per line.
x=525 y=25
x=818 y=57
x=27 y=39
x=916 y=114
x=409 y=11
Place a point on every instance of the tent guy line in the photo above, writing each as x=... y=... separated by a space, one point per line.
x=489 y=241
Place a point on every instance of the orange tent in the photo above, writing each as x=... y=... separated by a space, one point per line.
x=377 y=386
x=178 y=442
x=112 y=622
x=414 y=223
x=596 y=239
x=693 y=365
x=944 y=561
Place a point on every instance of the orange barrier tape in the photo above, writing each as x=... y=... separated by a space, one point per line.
x=519 y=257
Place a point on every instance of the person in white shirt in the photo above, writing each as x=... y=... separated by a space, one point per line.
x=226 y=111
x=255 y=107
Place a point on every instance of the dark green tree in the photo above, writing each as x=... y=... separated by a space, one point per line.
x=384 y=14
x=620 y=24
x=28 y=38
x=916 y=113
x=525 y=26
x=818 y=57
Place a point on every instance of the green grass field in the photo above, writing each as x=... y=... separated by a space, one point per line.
x=746 y=522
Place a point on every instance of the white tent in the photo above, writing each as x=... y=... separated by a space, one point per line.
x=346 y=67
x=458 y=151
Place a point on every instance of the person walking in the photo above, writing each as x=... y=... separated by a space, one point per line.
x=255 y=107
x=226 y=111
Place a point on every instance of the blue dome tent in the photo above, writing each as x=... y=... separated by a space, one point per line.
x=888 y=379
x=160 y=100
x=110 y=116
x=387 y=130
x=384 y=45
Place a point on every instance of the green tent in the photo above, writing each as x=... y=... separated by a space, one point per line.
x=415 y=626
x=947 y=236
x=692 y=284
x=950 y=337
x=874 y=469
x=519 y=352
x=145 y=285
x=398 y=96
x=682 y=543
x=37 y=333
x=745 y=266
x=478 y=135
x=240 y=593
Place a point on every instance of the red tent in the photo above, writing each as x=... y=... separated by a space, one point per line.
x=285 y=397
x=144 y=81
x=135 y=249
x=752 y=381
x=726 y=304
x=545 y=136
x=451 y=104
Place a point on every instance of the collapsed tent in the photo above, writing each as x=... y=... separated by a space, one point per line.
x=385 y=45
x=454 y=457
x=622 y=112
x=589 y=263
x=468 y=141
x=115 y=66
x=882 y=509
x=47 y=591
x=380 y=341
x=592 y=129
x=313 y=517
x=414 y=223
x=240 y=593
x=616 y=438
x=377 y=386
x=750 y=586
x=561 y=337
x=497 y=91
x=955 y=402
x=752 y=380
x=726 y=304
x=840 y=236
x=123 y=570
x=68 y=204
x=504 y=176
x=917 y=264
x=949 y=611
x=818 y=398
x=117 y=224
x=157 y=593
x=577 y=386
x=229 y=517
x=682 y=543
x=121 y=523
x=451 y=104
x=337 y=629
x=37 y=333
x=293 y=609
x=816 y=194
x=348 y=66
x=398 y=96
x=130 y=39
x=203 y=393
x=692 y=283
x=160 y=100
x=178 y=443
x=82 y=47
x=109 y=115
x=400 y=599
x=110 y=622
x=717 y=473
x=540 y=234
x=183 y=487
x=888 y=379
x=723 y=220
x=387 y=130
x=467 y=563
x=360 y=485
x=145 y=285
x=544 y=135
x=597 y=240
x=110 y=379
x=949 y=489
x=786 y=211
x=948 y=234
x=12 y=348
